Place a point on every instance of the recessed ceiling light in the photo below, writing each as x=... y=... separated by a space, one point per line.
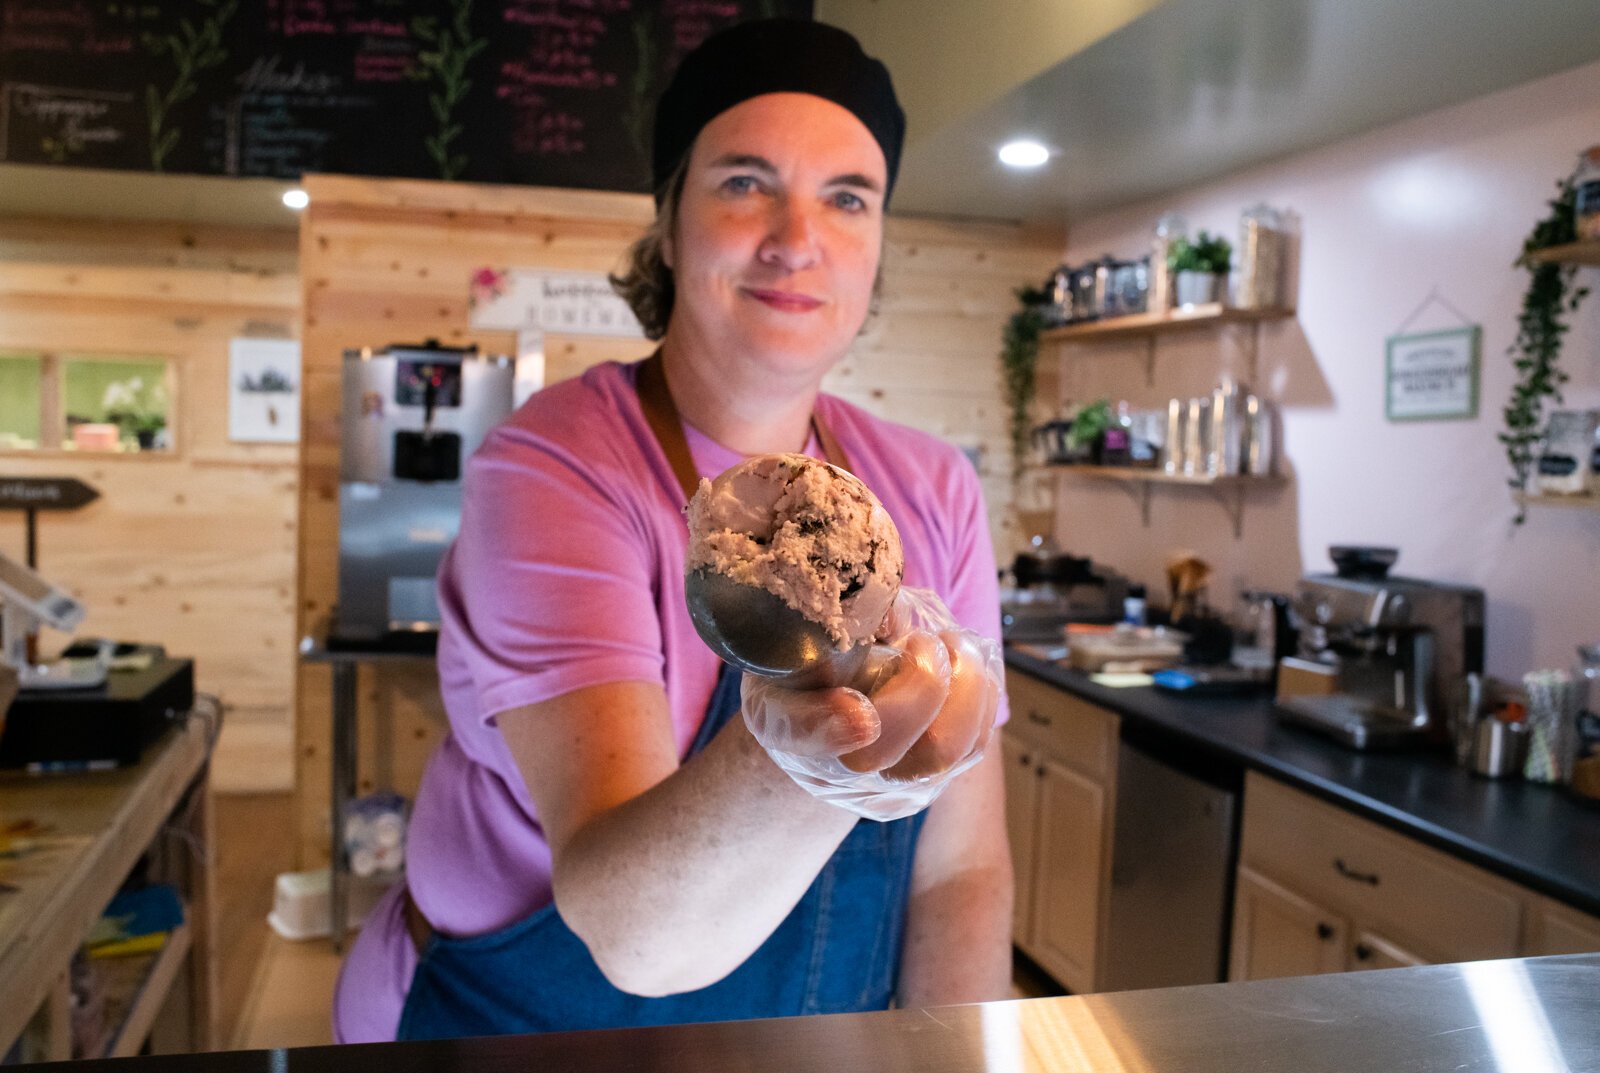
x=1023 y=153
x=296 y=199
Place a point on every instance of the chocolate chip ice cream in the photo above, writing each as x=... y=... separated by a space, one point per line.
x=809 y=533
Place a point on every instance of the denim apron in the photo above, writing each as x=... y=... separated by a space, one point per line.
x=838 y=950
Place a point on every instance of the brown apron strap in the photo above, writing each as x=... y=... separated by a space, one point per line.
x=662 y=416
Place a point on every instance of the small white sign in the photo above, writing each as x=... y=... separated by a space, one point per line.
x=264 y=390
x=556 y=303
x=1433 y=375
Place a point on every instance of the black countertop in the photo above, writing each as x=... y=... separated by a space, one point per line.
x=1543 y=837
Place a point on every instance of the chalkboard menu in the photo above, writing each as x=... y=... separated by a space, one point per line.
x=547 y=92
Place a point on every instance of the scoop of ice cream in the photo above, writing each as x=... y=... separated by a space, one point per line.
x=809 y=533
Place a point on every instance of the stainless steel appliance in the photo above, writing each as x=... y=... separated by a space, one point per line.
x=1172 y=862
x=411 y=417
x=1394 y=649
x=1048 y=589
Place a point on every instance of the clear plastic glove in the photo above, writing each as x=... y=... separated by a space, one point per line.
x=919 y=714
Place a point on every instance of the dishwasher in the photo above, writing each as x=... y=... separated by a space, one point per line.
x=1174 y=847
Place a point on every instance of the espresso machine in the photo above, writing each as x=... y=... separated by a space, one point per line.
x=411 y=416
x=1389 y=653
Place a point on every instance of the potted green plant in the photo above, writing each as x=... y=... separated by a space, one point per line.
x=1551 y=298
x=138 y=410
x=1199 y=267
x=1087 y=435
x=1019 y=358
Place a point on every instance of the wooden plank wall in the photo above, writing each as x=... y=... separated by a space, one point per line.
x=194 y=550
x=388 y=261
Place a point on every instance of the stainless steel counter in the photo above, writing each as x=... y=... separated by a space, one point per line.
x=1539 y=1015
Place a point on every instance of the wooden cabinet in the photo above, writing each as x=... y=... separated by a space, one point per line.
x=1022 y=812
x=1321 y=890
x=1554 y=928
x=1280 y=933
x=1276 y=932
x=1060 y=771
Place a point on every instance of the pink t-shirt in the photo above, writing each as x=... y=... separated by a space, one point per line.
x=568 y=572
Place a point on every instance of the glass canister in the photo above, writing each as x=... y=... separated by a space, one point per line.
x=1553 y=701
x=1586 y=194
x=1586 y=768
x=1262 y=246
x=1169 y=227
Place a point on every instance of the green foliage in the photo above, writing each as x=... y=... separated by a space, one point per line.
x=639 y=112
x=1549 y=299
x=193 y=50
x=1019 y=358
x=1204 y=254
x=444 y=61
x=1090 y=423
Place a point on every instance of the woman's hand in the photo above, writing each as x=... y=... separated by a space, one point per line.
x=922 y=714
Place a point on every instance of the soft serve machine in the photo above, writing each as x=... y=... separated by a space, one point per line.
x=412 y=415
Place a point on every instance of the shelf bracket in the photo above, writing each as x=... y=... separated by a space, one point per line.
x=1231 y=496
x=1141 y=496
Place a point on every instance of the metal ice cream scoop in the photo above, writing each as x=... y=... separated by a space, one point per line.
x=757 y=632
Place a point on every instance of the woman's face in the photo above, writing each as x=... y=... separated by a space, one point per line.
x=778 y=234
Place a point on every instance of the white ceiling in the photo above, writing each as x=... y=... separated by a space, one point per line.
x=1138 y=97
x=1195 y=89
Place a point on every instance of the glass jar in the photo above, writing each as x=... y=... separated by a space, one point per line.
x=1586 y=194
x=1262 y=245
x=1587 y=676
x=1169 y=228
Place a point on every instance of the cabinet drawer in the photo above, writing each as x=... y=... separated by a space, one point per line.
x=1081 y=735
x=1451 y=910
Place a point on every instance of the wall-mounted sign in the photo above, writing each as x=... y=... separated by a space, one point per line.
x=44 y=493
x=556 y=303
x=1433 y=375
x=264 y=390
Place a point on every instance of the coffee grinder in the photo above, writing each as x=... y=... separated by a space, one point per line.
x=411 y=416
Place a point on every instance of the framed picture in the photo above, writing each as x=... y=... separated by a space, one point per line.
x=264 y=390
x=1433 y=375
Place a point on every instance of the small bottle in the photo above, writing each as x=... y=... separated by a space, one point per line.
x=1133 y=605
x=1586 y=195
x=1117 y=449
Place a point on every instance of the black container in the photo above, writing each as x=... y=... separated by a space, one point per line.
x=1362 y=561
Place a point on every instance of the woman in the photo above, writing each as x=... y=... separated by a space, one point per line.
x=601 y=840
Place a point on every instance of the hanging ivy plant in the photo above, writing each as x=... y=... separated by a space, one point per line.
x=1551 y=296
x=1019 y=359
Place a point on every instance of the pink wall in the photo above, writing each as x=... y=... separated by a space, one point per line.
x=1442 y=200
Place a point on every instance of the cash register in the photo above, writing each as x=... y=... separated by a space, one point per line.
x=79 y=709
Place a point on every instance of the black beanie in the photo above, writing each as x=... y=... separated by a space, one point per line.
x=774 y=56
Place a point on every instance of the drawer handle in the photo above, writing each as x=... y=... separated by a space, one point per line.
x=1363 y=951
x=1035 y=717
x=1025 y=760
x=1324 y=931
x=1350 y=873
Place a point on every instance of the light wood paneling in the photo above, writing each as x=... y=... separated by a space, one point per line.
x=194 y=550
x=389 y=261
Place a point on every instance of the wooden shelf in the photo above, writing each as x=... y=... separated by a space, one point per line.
x=137 y=986
x=1588 y=501
x=1136 y=475
x=1147 y=324
x=1573 y=253
x=1228 y=489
